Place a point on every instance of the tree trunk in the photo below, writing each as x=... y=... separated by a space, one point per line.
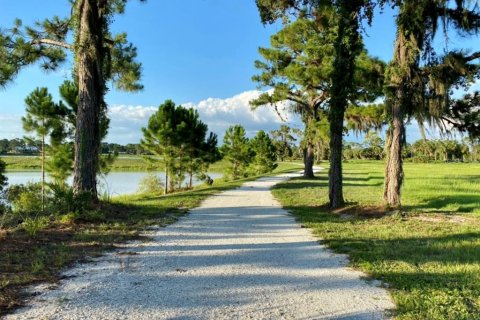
x=309 y=156
x=235 y=169
x=88 y=58
x=347 y=47
x=399 y=99
x=319 y=152
x=336 y=147
x=394 y=168
x=165 y=190
x=43 y=173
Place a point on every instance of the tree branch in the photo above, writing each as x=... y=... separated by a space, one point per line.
x=473 y=56
x=53 y=43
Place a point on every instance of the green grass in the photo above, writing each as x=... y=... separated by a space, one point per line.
x=428 y=254
x=22 y=162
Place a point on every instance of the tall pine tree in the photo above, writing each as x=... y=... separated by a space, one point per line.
x=236 y=150
x=99 y=57
x=347 y=47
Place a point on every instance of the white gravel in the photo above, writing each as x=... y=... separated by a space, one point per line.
x=238 y=256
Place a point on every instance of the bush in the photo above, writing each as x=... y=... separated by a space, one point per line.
x=26 y=200
x=62 y=199
x=68 y=218
x=420 y=159
x=151 y=183
x=33 y=225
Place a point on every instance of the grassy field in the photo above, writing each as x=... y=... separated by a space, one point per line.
x=71 y=238
x=427 y=254
x=122 y=163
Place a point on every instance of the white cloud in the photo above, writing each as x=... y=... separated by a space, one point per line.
x=218 y=114
x=11 y=126
x=137 y=114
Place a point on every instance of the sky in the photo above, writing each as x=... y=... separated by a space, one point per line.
x=199 y=53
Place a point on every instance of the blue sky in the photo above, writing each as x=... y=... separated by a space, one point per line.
x=199 y=52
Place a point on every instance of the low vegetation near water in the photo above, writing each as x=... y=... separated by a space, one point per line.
x=64 y=239
x=428 y=254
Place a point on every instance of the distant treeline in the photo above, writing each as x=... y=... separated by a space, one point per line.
x=423 y=150
x=372 y=148
x=20 y=146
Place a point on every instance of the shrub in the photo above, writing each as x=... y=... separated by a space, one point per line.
x=33 y=225
x=68 y=218
x=26 y=200
x=62 y=199
x=151 y=183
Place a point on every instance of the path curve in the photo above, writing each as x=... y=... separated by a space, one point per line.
x=238 y=256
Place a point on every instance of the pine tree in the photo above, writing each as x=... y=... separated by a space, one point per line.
x=178 y=137
x=236 y=150
x=99 y=57
x=40 y=118
x=265 y=157
x=303 y=67
x=283 y=139
x=159 y=136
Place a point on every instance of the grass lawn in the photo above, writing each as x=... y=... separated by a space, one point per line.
x=428 y=254
x=26 y=259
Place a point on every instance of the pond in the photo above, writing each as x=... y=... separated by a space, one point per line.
x=115 y=183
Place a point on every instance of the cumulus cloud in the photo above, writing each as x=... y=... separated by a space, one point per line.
x=218 y=114
x=11 y=126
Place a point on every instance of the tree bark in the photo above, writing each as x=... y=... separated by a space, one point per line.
x=309 y=156
x=394 y=168
x=88 y=58
x=165 y=190
x=404 y=61
x=336 y=147
x=43 y=171
x=347 y=47
x=235 y=169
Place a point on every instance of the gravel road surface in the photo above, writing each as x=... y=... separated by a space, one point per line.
x=238 y=256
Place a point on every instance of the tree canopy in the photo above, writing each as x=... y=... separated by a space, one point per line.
x=178 y=136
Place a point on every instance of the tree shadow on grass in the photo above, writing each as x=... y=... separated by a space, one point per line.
x=458 y=203
x=435 y=264
x=462 y=203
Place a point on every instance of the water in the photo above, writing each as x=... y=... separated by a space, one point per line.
x=115 y=183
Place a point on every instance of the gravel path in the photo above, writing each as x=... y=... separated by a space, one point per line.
x=238 y=256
